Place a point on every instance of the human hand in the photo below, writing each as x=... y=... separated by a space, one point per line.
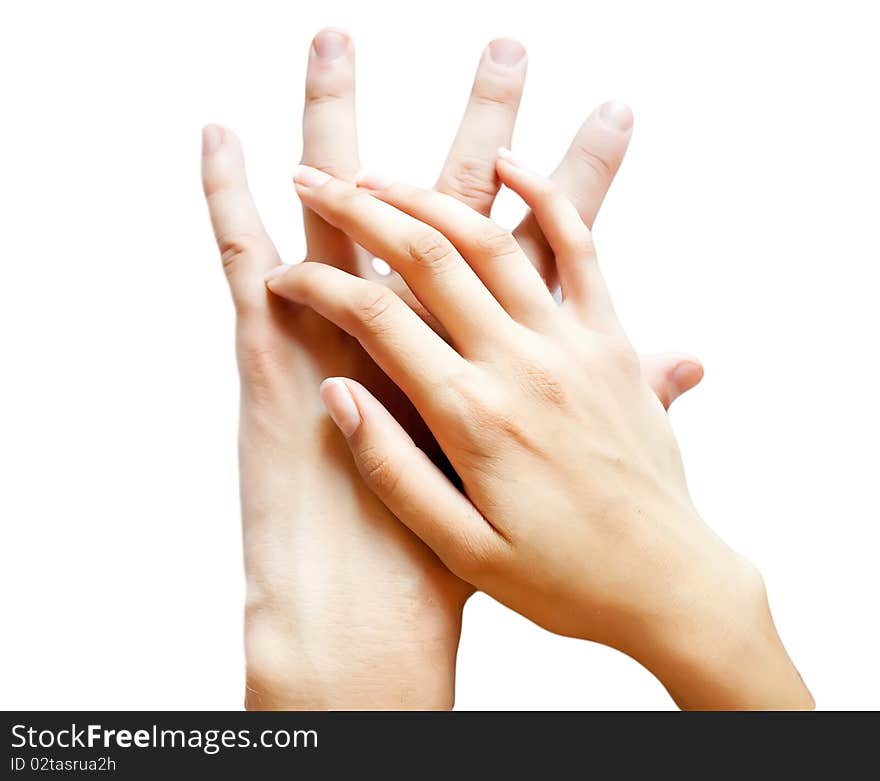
x=576 y=512
x=345 y=607
x=584 y=175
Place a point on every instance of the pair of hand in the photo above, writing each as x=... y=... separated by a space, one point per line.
x=347 y=608
x=575 y=511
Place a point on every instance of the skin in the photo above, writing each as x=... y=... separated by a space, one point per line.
x=346 y=607
x=575 y=511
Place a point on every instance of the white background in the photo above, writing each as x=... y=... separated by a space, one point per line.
x=742 y=227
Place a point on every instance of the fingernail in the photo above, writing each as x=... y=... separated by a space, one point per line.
x=505 y=154
x=686 y=375
x=340 y=404
x=505 y=51
x=370 y=180
x=310 y=177
x=276 y=272
x=212 y=137
x=330 y=44
x=616 y=114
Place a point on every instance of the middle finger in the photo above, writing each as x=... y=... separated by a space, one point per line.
x=422 y=255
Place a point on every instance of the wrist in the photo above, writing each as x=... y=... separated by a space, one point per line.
x=722 y=652
x=302 y=665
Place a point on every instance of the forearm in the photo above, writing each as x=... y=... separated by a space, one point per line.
x=346 y=609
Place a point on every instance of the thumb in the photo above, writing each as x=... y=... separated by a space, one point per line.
x=407 y=482
x=671 y=374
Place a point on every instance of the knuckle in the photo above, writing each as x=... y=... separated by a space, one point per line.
x=577 y=239
x=472 y=558
x=496 y=91
x=496 y=95
x=236 y=246
x=550 y=194
x=373 y=306
x=496 y=242
x=465 y=386
x=333 y=88
x=472 y=180
x=581 y=243
x=378 y=471
x=541 y=380
x=594 y=161
x=318 y=96
x=487 y=414
x=430 y=250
